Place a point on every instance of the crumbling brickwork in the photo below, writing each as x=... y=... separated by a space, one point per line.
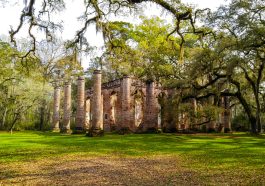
x=80 y=111
x=96 y=106
x=130 y=105
x=151 y=108
x=56 y=109
x=67 y=108
x=226 y=115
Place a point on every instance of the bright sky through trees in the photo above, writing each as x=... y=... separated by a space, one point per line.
x=9 y=16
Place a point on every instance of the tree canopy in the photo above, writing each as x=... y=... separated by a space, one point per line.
x=203 y=54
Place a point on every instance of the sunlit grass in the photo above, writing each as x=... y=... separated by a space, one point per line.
x=207 y=153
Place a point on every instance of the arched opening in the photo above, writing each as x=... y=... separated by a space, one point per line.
x=138 y=108
x=159 y=117
x=161 y=105
x=113 y=108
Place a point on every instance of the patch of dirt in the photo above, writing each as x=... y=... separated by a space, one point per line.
x=75 y=170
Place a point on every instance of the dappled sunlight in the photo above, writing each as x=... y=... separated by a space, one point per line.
x=205 y=154
x=130 y=145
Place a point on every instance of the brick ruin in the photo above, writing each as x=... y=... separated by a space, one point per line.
x=126 y=105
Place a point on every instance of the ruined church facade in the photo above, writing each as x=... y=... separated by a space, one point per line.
x=124 y=105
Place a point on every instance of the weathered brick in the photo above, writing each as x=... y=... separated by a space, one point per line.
x=67 y=108
x=56 y=109
x=80 y=111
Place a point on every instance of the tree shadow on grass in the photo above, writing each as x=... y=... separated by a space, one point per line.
x=111 y=171
x=214 y=149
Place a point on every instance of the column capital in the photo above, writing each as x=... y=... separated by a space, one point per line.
x=57 y=87
x=149 y=81
x=126 y=76
x=81 y=78
x=97 y=72
x=67 y=83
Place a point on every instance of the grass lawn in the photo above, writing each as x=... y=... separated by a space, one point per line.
x=36 y=158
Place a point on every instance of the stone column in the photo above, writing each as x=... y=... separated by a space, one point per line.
x=151 y=108
x=67 y=108
x=56 y=109
x=96 y=106
x=126 y=124
x=80 y=112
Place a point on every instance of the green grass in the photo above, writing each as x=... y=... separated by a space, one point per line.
x=235 y=148
x=206 y=153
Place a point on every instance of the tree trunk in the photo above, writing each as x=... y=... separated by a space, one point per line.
x=260 y=76
x=258 y=122
x=48 y=116
x=14 y=122
x=253 y=123
x=4 y=118
x=42 y=114
x=251 y=117
x=41 y=117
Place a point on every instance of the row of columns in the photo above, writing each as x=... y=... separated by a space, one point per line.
x=96 y=127
x=224 y=119
x=80 y=114
x=97 y=120
x=150 y=120
x=127 y=123
x=66 y=109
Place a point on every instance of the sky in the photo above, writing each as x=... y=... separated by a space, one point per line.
x=9 y=16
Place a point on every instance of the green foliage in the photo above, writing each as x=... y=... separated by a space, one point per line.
x=224 y=57
x=145 y=50
x=233 y=59
x=240 y=122
x=21 y=88
x=209 y=111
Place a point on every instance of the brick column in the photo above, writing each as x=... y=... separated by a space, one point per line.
x=211 y=125
x=193 y=119
x=80 y=112
x=226 y=116
x=151 y=108
x=126 y=124
x=67 y=108
x=56 y=109
x=96 y=107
